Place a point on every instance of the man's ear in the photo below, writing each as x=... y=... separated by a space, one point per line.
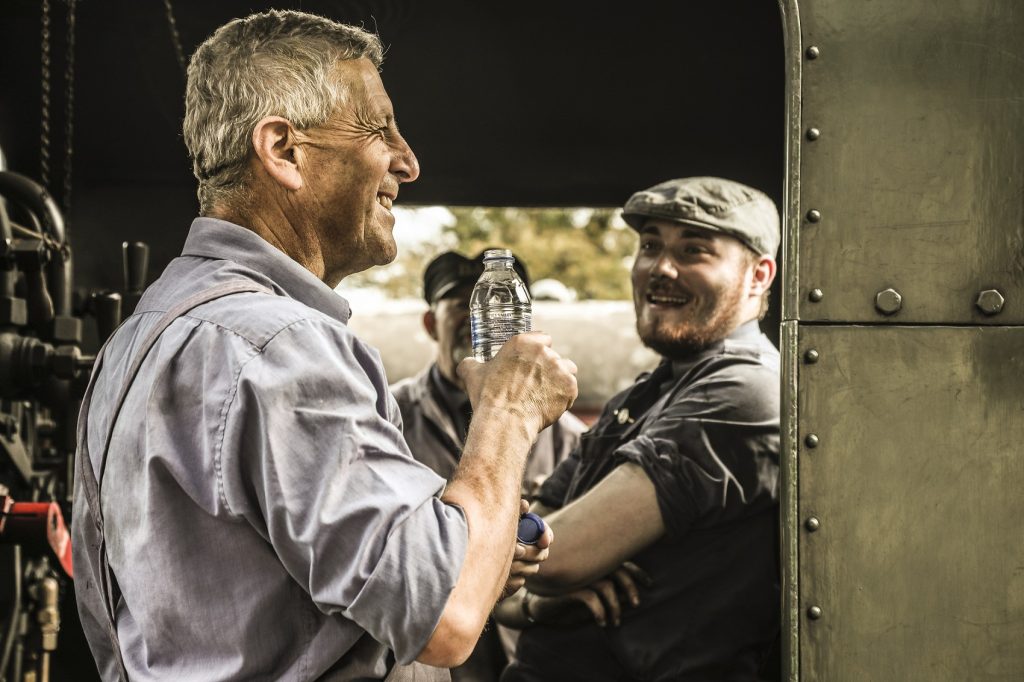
x=763 y=275
x=274 y=141
x=430 y=324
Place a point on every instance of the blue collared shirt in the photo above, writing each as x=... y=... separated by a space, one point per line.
x=264 y=517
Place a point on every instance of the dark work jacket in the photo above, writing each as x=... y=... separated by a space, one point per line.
x=706 y=432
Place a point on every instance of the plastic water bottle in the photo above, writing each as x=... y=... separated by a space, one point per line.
x=499 y=307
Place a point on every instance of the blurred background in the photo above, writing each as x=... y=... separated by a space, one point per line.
x=578 y=260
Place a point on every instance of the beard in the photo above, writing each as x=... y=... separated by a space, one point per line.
x=707 y=324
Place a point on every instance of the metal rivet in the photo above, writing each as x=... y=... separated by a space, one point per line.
x=888 y=301
x=811 y=356
x=990 y=301
x=812 y=524
x=812 y=439
x=813 y=216
x=813 y=134
x=813 y=52
x=815 y=295
x=814 y=613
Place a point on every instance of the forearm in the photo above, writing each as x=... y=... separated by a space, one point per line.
x=598 y=532
x=487 y=486
x=572 y=564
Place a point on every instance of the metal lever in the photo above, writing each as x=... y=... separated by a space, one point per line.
x=107 y=306
x=136 y=263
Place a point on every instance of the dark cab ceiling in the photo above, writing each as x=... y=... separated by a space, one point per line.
x=528 y=104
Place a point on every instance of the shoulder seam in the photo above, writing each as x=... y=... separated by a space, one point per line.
x=330 y=323
x=218 y=447
x=222 y=328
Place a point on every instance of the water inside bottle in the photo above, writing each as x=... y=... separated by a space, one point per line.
x=496 y=323
x=499 y=307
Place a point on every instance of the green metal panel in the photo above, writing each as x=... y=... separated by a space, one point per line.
x=790 y=511
x=916 y=483
x=911 y=132
x=903 y=491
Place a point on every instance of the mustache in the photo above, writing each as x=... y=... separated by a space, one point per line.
x=389 y=187
x=664 y=287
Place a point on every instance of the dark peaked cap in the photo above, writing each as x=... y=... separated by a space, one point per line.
x=451 y=270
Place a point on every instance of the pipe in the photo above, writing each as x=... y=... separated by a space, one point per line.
x=12 y=627
x=35 y=198
x=38 y=202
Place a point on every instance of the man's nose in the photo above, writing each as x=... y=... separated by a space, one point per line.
x=664 y=266
x=404 y=164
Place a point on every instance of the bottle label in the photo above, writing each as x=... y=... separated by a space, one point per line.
x=503 y=326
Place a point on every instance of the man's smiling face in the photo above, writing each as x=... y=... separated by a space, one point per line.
x=356 y=162
x=689 y=286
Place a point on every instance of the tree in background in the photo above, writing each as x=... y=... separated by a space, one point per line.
x=589 y=250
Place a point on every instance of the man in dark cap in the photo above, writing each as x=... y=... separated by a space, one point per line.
x=676 y=486
x=436 y=413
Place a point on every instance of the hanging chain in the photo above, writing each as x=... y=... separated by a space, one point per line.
x=175 y=37
x=69 y=112
x=44 y=114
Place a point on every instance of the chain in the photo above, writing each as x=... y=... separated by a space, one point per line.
x=44 y=114
x=69 y=112
x=175 y=37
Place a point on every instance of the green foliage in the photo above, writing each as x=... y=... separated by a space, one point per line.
x=588 y=250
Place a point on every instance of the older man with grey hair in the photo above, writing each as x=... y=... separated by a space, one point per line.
x=246 y=505
x=666 y=567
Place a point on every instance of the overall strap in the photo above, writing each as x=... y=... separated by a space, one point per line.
x=91 y=483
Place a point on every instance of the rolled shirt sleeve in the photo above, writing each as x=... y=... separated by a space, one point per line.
x=712 y=452
x=314 y=459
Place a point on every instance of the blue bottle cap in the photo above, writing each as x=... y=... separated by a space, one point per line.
x=531 y=527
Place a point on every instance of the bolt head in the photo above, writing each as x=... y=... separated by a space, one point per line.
x=815 y=295
x=812 y=524
x=990 y=301
x=813 y=52
x=814 y=215
x=811 y=356
x=813 y=134
x=811 y=440
x=814 y=613
x=888 y=301
x=13 y=311
x=65 y=362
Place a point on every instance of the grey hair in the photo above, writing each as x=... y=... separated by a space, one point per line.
x=276 y=63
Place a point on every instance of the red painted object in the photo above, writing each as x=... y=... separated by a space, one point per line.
x=36 y=526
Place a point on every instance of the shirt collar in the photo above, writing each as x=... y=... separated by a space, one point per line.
x=452 y=400
x=450 y=394
x=222 y=240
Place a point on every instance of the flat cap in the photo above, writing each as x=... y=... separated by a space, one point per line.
x=715 y=204
x=451 y=270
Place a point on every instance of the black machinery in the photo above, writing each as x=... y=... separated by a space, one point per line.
x=43 y=374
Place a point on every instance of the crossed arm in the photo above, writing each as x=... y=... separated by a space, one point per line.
x=596 y=535
x=599 y=531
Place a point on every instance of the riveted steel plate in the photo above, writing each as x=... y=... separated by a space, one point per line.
x=918 y=484
x=918 y=171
